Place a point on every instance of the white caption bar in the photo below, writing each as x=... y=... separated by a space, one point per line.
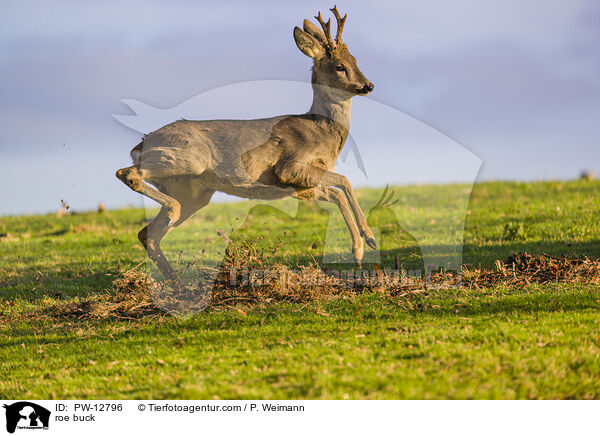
x=22 y=417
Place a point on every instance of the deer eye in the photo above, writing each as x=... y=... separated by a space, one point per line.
x=340 y=68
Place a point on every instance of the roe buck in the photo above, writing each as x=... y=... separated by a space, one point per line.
x=290 y=155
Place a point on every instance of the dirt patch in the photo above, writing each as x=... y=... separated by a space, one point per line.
x=243 y=280
x=8 y=237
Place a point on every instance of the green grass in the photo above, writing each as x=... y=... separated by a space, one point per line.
x=532 y=342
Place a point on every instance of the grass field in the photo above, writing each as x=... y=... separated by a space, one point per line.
x=533 y=341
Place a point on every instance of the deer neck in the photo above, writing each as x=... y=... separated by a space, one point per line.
x=331 y=103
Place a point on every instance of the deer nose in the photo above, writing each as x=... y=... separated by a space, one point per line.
x=368 y=87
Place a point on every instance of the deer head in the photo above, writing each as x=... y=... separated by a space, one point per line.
x=334 y=67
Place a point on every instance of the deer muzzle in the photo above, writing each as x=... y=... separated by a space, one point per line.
x=366 y=89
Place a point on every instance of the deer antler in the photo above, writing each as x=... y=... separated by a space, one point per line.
x=326 y=29
x=340 y=24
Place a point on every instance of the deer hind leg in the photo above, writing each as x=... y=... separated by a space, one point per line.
x=151 y=235
x=132 y=177
x=337 y=197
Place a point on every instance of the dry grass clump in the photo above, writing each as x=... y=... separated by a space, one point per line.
x=278 y=283
x=244 y=278
x=523 y=269
x=131 y=298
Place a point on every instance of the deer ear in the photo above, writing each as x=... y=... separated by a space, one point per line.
x=308 y=44
x=314 y=31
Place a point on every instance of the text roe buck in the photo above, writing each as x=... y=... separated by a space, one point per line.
x=289 y=155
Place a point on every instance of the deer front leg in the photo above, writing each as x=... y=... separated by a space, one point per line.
x=309 y=176
x=337 y=197
x=337 y=180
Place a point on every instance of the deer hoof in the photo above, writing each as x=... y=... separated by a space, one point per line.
x=371 y=243
x=358 y=255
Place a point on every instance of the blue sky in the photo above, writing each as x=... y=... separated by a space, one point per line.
x=515 y=82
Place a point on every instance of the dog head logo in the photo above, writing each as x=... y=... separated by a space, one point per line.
x=26 y=415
